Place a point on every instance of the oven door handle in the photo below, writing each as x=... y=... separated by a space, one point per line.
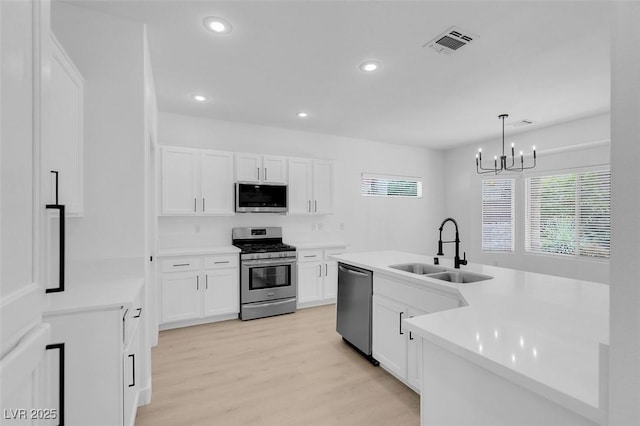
x=267 y=262
x=262 y=305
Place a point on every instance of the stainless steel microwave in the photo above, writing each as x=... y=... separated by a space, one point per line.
x=261 y=198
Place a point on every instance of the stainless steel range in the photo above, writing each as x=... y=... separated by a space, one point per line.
x=268 y=284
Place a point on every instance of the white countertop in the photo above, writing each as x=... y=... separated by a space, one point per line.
x=96 y=295
x=166 y=252
x=303 y=245
x=540 y=331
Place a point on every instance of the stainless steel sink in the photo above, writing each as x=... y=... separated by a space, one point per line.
x=460 y=277
x=418 y=268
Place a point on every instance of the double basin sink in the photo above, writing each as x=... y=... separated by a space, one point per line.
x=440 y=273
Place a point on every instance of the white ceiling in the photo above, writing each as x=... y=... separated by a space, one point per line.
x=547 y=62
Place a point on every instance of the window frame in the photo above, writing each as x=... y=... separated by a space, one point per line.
x=512 y=214
x=380 y=181
x=578 y=252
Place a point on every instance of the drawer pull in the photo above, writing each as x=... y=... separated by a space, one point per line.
x=181 y=264
x=133 y=370
x=60 y=347
x=310 y=255
x=400 y=322
x=221 y=262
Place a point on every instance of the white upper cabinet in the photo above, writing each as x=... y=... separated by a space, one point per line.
x=300 y=185
x=196 y=182
x=62 y=148
x=261 y=168
x=216 y=180
x=179 y=181
x=322 y=187
x=310 y=186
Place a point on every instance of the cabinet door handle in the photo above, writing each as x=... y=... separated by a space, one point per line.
x=139 y=313
x=326 y=269
x=400 y=323
x=206 y=282
x=309 y=206
x=265 y=174
x=195 y=202
x=316 y=203
x=410 y=336
x=258 y=173
x=197 y=282
x=203 y=204
x=60 y=347
x=61 y=244
x=319 y=270
x=133 y=370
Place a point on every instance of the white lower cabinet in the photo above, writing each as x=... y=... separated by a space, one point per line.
x=317 y=276
x=221 y=292
x=397 y=349
x=389 y=340
x=414 y=355
x=103 y=362
x=198 y=289
x=180 y=296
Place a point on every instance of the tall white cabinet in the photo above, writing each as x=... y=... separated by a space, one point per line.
x=62 y=149
x=310 y=186
x=196 y=182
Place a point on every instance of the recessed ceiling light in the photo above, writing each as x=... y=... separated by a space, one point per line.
x=199 y=98
x=370 y=66
x=217 y=25
x=302 y=114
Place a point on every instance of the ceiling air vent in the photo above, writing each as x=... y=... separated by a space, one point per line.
x=451 y=40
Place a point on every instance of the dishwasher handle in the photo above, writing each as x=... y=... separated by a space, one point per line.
x=351 y=271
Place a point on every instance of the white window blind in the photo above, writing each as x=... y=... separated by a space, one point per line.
x=569 y=214
x=497 y=215
x=390 y=186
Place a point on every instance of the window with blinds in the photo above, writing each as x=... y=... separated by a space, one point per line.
x=569 y=214
x=390 y=186
x=498 y=215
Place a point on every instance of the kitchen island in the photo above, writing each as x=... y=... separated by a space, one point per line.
x=520 y=348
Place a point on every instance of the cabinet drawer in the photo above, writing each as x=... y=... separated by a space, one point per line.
x=221 y=261
x=329 y=252
x=309 y=255
x=181 y=264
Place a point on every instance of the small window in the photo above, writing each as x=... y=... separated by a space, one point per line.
x=497 y=215
x=569 y=214
x=390 y=186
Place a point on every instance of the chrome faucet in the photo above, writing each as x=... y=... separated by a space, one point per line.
x=456 y=260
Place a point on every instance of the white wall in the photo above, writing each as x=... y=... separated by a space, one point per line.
x=109 y=54
x=369 y=223
x=565 y=146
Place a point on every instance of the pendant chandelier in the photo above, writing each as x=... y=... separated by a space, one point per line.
x=504 y=167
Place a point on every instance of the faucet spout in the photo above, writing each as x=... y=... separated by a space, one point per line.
x=456 y=260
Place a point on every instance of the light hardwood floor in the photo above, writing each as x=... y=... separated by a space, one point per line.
x=286 y=370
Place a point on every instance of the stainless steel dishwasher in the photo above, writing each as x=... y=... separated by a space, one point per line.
x=355 y=293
